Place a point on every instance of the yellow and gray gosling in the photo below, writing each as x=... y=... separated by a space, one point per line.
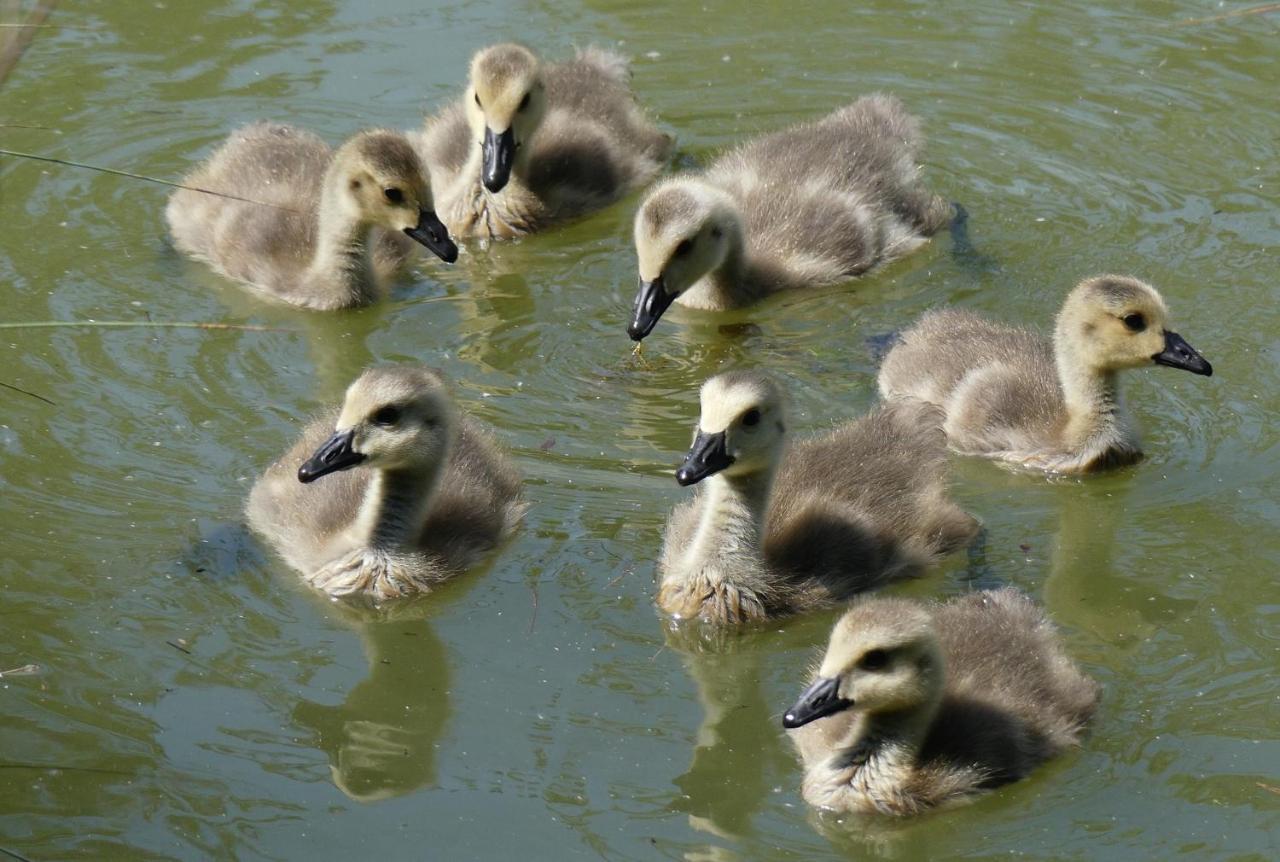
x=918 y=705
x=1013 y=395
x=773 y=533
x=319 y=229
x=418 y=492
x=533 y=143
x=813 y=204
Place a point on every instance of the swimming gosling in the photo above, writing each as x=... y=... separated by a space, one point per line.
x=817 y=203
x=418 y=491
x=1012 y=395
x=919 y=705
x=533 y=143
x=303 y=224
x=772 y=534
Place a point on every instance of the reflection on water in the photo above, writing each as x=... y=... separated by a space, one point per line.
x=382 y=739
x=1086 y=585
x=726 y=782
x=498 y=319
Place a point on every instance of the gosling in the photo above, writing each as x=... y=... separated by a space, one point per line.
x=1012 y=395
x=533 y=143
x=302 y=224
x=425 y=495
x=844 y=512
x=813 y=204
x=916 y=705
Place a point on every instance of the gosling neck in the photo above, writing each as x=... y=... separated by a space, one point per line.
x=343 y=257
x=886 y=743
x=472 y=209
x=395 y=506
x=734 y=282
x=1094 y=408
x=728 y=542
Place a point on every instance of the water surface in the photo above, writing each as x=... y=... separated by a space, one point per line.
x=194 y=701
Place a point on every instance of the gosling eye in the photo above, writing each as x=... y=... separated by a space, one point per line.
x=386 y=416
x=1135 y=322
x=874 y=659
x=716 y=233
x=478 y=105
x=524 y=103
x=685 y=246
x=393 y=195
x=751 y=417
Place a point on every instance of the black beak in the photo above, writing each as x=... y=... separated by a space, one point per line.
x=651 y=301
x=1178 y=354
x=708 y=456
x=499 y=153
x=432 y=233
x=333 y=455
x=820 y=699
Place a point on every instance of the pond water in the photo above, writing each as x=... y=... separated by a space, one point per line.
x=194 y=701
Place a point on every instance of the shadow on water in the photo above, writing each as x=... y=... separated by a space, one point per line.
x=973 y=266
x=968 y=258
x=979 y=572
x=222 y=550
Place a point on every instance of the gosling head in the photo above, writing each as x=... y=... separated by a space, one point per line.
x=742 y=428
x=393 y=418
x=384 y=184
x=883 y=657
x=1116 y=322
x=682 y=233
x=505 y=101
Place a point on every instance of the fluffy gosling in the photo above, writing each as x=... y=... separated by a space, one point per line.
x=917 y=705
x=306 y=225
x=533 y=143
x=1054 y=405
x=776 y=530
x=813 y=204
x=418 y=491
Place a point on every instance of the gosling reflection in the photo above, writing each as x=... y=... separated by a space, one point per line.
x=335 y=343
x=337 y=347
x=1086 y=589
x=495 y=319
x=737 y=748
x=381 y=741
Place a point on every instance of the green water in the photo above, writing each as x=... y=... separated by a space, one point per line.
x=538 y=709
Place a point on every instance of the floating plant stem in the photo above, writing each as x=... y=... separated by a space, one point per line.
x=119 y=173
x=125 y=324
